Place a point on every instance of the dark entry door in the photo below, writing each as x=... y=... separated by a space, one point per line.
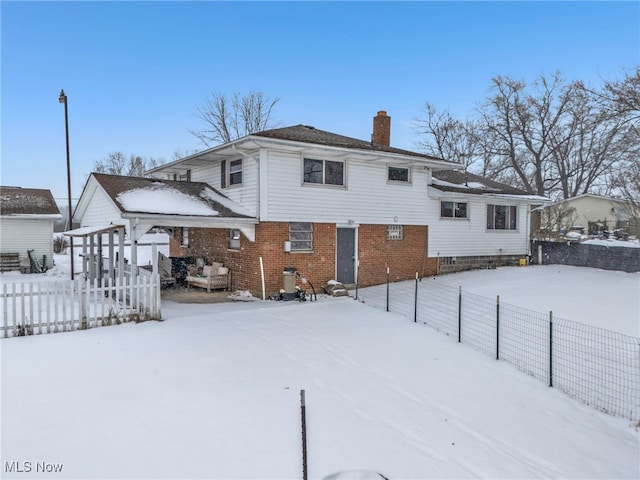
x=346 y=255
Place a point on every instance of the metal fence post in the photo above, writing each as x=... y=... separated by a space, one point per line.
x=387 y=289
x=357 y=276
x=459 y=313
x=303 y=415
x=415 y=302
x=498 y=327
x=550 y=348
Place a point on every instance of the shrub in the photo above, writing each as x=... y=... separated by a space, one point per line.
x=60 y=244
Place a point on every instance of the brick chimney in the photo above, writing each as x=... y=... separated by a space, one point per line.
x=381 y=129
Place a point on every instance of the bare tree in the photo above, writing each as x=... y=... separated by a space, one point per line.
x=228 y=118
x=447 y=137
x=550 y=137
x=527 y=126
x=594 y=145
x=117 y=163
x=622 y=97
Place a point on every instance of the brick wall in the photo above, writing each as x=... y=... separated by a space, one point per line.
x=404 y=257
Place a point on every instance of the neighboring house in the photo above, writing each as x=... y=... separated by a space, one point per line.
x=331 y=206
x=590 y=213
x=27 y=216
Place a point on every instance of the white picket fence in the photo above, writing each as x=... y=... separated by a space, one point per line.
x=31 y=308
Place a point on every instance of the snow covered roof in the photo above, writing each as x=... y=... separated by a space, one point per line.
x=168 y=197
x=16 y=201
x=458 y=181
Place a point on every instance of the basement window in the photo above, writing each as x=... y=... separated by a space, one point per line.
x=394 y=232
x=301 y=236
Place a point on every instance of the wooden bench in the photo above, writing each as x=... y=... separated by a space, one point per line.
x=211 y=279
x=210 y=282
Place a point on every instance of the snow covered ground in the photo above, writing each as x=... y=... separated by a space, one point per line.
x=602 y=298
x=213 y=392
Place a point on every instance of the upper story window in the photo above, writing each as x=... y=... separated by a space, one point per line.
x=324 y=172
x=398 y=174
x=502 y=217
x=453 y=210
x=230 y=173
x=184 y=241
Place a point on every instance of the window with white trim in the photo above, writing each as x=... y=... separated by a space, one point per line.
x=398 y=174
x=394 y=232
x=230 y=173
x=301 y=236
x=324 y=172
x=453 y=209
x=185 y=237
x=502 y=217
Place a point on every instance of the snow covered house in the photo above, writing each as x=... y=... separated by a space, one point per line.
x=330 y=206
x=27 y=216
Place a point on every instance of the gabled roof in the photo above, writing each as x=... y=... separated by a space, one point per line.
x=27 y=201
x=309 y=134
x=458 y=181
x=593 y=196
x=168 y=197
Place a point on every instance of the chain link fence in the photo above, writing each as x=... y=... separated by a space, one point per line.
x=601 y=368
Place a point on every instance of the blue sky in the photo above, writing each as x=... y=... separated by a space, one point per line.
x=135 y=72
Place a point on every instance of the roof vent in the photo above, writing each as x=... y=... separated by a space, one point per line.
x=310 y=127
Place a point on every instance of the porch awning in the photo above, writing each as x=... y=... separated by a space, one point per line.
x=92 y=230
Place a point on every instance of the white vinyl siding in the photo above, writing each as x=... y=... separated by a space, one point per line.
x=367 y=196
x=18 y=235
x=100 y=211
x=246 y=194
x=449 y=238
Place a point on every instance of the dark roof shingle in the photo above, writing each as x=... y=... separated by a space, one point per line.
x=463 y=182
x=27 y=201
x=308 y=134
